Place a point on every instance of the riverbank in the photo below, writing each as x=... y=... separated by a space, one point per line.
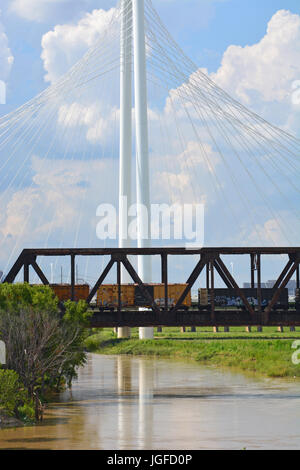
x=7 y=421
x=267 y=355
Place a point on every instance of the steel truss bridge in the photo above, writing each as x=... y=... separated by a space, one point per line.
x=210 y=259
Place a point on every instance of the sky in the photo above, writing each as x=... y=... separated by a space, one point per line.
x=203 y=28
x=250 y=48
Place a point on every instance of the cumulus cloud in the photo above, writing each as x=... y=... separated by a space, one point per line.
x=257 y=75
x=49 y=10
x=6 y=57
x=96 y=118
x=67 y=43
x=274 y=231
x=62 y=200
x=261 y=75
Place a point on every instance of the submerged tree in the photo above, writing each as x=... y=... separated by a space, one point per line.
x=43 y=345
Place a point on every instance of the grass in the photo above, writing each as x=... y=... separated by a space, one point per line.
x=268 y=353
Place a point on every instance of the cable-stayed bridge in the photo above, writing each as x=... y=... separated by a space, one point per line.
x=61 y=155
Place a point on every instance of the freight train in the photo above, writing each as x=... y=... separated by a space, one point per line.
x=226 y=298
x=132 y=297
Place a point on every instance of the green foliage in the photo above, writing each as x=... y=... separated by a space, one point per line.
x=93 y=342
x=269 y=357
x=11 y=391
x=77 y=313
x=14 y=297
x=14 y=399
x=26 y=413
x=43 y=346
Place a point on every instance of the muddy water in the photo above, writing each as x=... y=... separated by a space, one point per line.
x=141 y=403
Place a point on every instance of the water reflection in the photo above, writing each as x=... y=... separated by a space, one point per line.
x=141 y=403
x=146 y=387
x=124 y=387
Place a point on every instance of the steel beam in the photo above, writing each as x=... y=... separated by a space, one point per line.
x=259 y=298
x=40 y=273
x=100 y=280
x=222 y=275
x=236 y=287
x=137 y=280
x=192 y=318
x=191 y=281
x=280 y=288
x=164 y=278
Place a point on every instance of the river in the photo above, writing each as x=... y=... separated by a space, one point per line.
x=140 y=403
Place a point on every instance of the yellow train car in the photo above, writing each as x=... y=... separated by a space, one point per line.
x=132 y=297
x=63 y=291
x=107 y=295
x=174 y=293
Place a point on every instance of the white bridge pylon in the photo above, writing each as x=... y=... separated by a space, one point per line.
x=133 y=18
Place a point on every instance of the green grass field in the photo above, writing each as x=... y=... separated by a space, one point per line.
x=268 y=353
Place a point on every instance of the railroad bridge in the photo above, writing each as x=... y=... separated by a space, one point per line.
x=212 y=260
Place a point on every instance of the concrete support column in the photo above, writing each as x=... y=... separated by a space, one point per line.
x=124 y=332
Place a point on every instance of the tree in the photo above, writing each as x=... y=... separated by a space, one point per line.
x=43 y=346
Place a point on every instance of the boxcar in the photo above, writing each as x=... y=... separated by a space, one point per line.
x=229 y=298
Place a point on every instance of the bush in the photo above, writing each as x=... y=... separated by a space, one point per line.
x=43 y=346
x=11 y=392
x=27 y=413
x=14 y=297
x=13 y=396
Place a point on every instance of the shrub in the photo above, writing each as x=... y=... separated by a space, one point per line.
x=43 y=346
x=14 y=399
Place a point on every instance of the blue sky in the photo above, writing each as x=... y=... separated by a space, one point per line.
x=203 y=28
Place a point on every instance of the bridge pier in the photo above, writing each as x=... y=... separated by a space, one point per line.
x=124 y=332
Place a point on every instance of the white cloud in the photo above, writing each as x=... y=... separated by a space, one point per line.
x=268 y=67
x=96 y=118
x=66 y=44
x=6 y=57
x=277 y=231
x=182 y=171
x=63 y=199
x=48 y=10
